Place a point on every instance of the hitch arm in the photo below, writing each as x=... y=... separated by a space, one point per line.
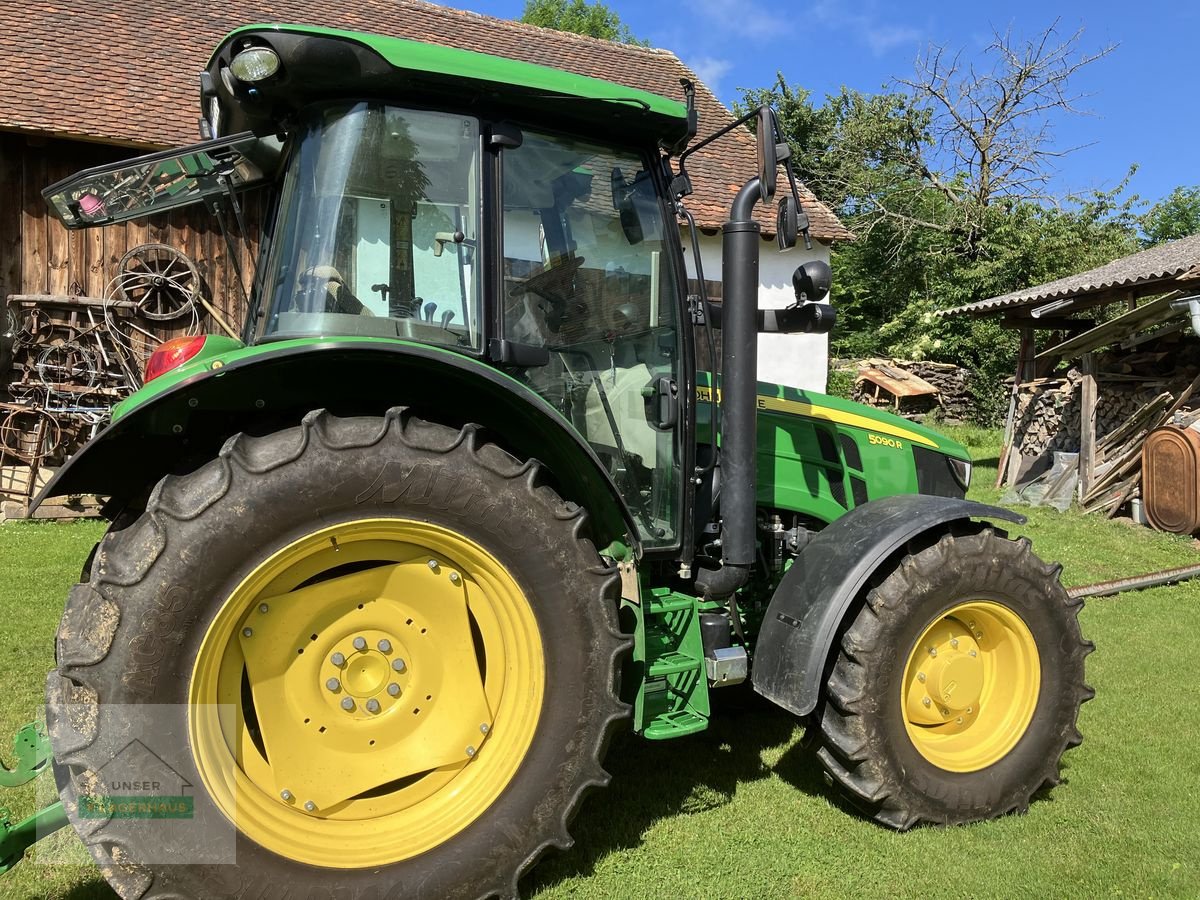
x=16 y=839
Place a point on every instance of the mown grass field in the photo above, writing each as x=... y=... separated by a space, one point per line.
x=740 y=811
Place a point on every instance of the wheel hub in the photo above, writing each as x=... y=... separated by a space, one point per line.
x=379 y=672
x=350 y=672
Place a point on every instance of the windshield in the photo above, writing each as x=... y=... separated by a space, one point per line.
x=378 y=226
x=587 y=276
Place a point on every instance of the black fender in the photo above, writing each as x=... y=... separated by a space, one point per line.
x=185 y=426
x=812 y=599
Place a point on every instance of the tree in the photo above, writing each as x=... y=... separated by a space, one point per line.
x=1176 y=215
x=944 y=179
x=580 y=17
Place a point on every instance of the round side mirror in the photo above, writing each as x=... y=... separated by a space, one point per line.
x=768 y=160
x=812 y=280
x=787 y=222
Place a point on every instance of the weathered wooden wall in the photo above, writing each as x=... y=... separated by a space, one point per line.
x=39 y=256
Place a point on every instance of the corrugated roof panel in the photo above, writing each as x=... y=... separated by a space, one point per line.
x=1164 y=262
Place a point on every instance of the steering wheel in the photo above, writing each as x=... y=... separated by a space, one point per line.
x=555 y=284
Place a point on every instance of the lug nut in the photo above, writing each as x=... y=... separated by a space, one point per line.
x=954 y=643
x=470 y=751
x=933 y=651
x=945 y=712
x=433 y=564
x=338 y=660
x=921 y=677
x=927 y=701
x=360 y=643
x=399 y=665
x=310 y=806
x=455 y=578
x=372 y=705
x=262 y=608
x=247 y=632
x=333 y=684
x=484 y=728
x=394 y=689
x=972 y=653
x=958 y=721
x=286 y=795
x=385 y=646
x=348 y=704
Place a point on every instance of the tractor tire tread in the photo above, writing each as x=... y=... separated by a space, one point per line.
x=124 y=557
x=844 y=742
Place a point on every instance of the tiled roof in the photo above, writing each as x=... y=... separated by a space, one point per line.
x=1174 y=260
x=126 y=73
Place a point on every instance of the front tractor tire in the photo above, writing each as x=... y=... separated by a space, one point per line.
x=385 y=655
x=957 y=687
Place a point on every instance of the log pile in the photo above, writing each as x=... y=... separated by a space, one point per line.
x=952 y=398
x=1136 y=392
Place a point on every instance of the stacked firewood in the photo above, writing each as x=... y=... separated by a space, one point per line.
x=952 y=400
x=954 y=397
x=1118 y=462
x=1047 y=414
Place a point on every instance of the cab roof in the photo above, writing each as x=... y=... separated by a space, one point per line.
x=325 y=63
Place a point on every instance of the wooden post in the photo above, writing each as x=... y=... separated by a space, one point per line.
x=1024 y=354
x=1087 y=426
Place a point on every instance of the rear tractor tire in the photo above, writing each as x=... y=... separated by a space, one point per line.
x=957 y=686
x=382 y=655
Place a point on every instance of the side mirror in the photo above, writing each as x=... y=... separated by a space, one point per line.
x=623 y=203
x=812 y=280
x=768 y=152
x=787 y=222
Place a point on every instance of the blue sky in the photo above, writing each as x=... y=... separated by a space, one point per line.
x=1142 y=96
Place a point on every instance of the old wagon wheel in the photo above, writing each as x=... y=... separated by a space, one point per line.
x=29 y=435
x=162 y=281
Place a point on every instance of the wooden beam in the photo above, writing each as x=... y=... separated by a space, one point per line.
x=1087 y=426
x=1114 y=331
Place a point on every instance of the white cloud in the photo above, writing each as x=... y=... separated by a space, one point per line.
x=710 y=70
x=744 y=19
x=881 y=38
x=862 y=21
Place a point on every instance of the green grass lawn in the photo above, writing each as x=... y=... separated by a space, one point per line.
x=740 y=810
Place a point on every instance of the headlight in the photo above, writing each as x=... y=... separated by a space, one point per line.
x=254 y=64
x=961 y=469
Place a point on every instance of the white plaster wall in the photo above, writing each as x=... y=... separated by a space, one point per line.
x=796 y=360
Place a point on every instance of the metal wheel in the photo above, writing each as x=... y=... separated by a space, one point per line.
x=161 y=280
x=347 y=670
x=971 y=686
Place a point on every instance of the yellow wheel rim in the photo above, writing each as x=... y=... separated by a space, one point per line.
x=970 y=686
x=366 y=693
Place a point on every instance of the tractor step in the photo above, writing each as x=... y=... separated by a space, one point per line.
x=674 y=664
x=672 y=698
x=676 y=724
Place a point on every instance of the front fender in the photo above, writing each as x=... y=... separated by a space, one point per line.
x=258 y=390
x=815 y=594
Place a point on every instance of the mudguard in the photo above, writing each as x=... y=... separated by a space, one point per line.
x=261 y=389
x=810 y=602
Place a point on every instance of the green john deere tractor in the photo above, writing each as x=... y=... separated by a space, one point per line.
x=384 y=577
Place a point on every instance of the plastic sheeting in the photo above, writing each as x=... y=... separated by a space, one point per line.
x=1051 y=480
